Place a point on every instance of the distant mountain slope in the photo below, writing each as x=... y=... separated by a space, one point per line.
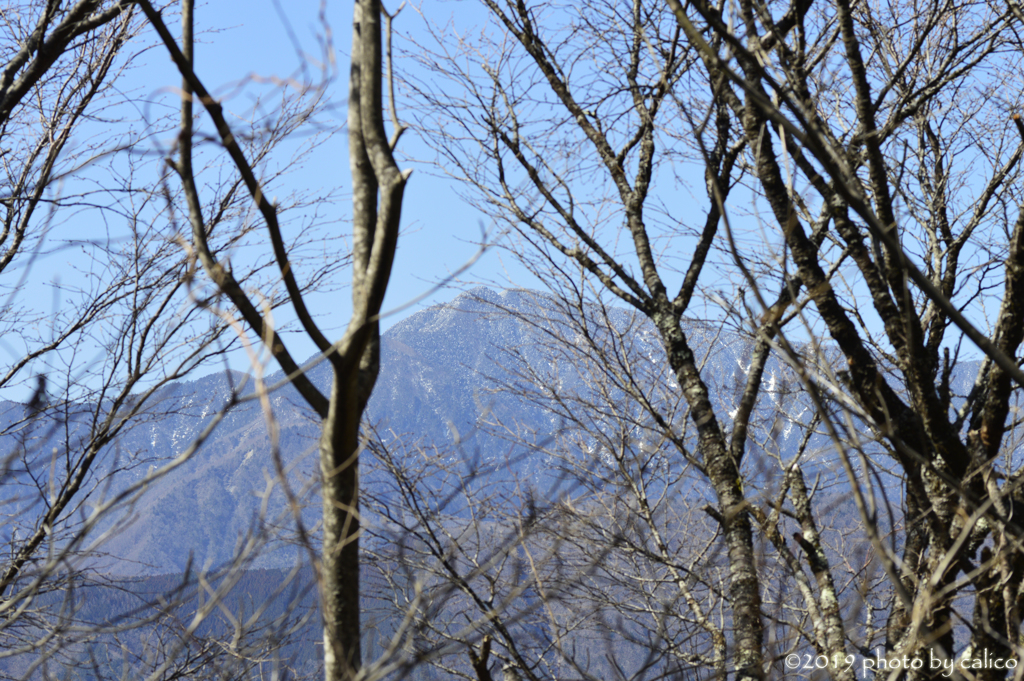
x=439 y=370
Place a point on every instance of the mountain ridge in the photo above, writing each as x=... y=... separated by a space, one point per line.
x=452 y=376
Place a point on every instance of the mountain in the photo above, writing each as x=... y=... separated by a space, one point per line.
x=428 y=386
x=492 y=379
x=508 y=395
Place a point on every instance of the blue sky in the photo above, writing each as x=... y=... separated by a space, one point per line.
x=246 y=50
x=440 y=232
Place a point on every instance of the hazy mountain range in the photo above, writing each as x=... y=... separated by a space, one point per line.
x=486 y=358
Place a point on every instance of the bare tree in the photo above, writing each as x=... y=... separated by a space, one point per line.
x=160 y=274
x=859 y=173
x=858 y=217
x=378 y=186
x=123 y=326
